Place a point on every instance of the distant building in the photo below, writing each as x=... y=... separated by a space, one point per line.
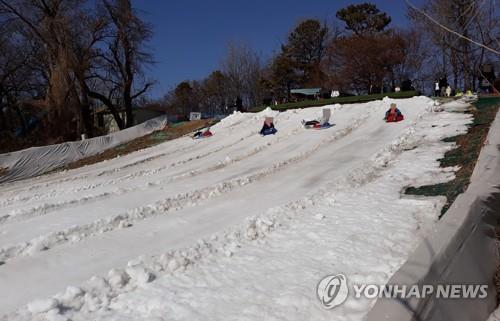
x=305 y=93
x=194 y=115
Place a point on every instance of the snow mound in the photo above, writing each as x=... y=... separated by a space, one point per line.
x=456 y=106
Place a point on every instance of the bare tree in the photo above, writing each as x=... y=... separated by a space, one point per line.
x=18 y=80
x=471 y=19
x=86 y=35
x=243 y=68
x=100 y=57
x=417 y=65
x=123 y=59
x=215 y=93
x=47 y=22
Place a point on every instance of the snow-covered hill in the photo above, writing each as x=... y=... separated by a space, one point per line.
x=233 y=227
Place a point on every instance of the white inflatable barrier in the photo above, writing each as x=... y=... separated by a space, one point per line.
x=462 y=251
x=35 y=161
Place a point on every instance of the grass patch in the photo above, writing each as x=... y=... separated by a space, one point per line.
x=337 y=100
x=469 y=146
x=181 y=123
x=170 y=132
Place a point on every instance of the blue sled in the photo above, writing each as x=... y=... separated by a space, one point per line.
x=270 y=131
x=324 y=126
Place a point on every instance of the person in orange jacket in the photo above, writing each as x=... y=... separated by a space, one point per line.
x=393 y=114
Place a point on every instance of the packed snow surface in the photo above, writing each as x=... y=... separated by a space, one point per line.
x=232 y=227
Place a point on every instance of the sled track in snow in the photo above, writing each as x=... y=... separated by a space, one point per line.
x=54 y=193
x=180 y=149
x=180 y=201
x=46 y=208
x=140 y=173
x=103 y=173
x=22 y=214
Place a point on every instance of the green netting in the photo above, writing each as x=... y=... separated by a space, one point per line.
x=159 y=135
x=173 y=125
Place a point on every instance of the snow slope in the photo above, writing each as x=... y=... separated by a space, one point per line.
x=236 y=226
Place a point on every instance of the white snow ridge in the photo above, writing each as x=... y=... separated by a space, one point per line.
x=233 y=227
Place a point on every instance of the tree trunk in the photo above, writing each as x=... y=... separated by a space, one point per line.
x=86 y=120
x=20 y=115
x=62 y=100
x=466 y=64
x=127 y=100
x=3 y=123
x=112 y=108
x=88 y=123
x=454 y=67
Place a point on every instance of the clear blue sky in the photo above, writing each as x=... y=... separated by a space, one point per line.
x=190 y=36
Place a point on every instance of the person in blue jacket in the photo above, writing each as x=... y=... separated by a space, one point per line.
x=268 y=128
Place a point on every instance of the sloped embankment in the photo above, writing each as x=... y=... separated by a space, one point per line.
x=168 y=133
x=465 y=156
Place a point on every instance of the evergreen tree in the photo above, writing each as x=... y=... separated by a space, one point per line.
x=363 y=18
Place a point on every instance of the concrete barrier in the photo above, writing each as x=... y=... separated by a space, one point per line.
x=462 y=250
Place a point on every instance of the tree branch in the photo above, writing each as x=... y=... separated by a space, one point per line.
x=146 y=87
